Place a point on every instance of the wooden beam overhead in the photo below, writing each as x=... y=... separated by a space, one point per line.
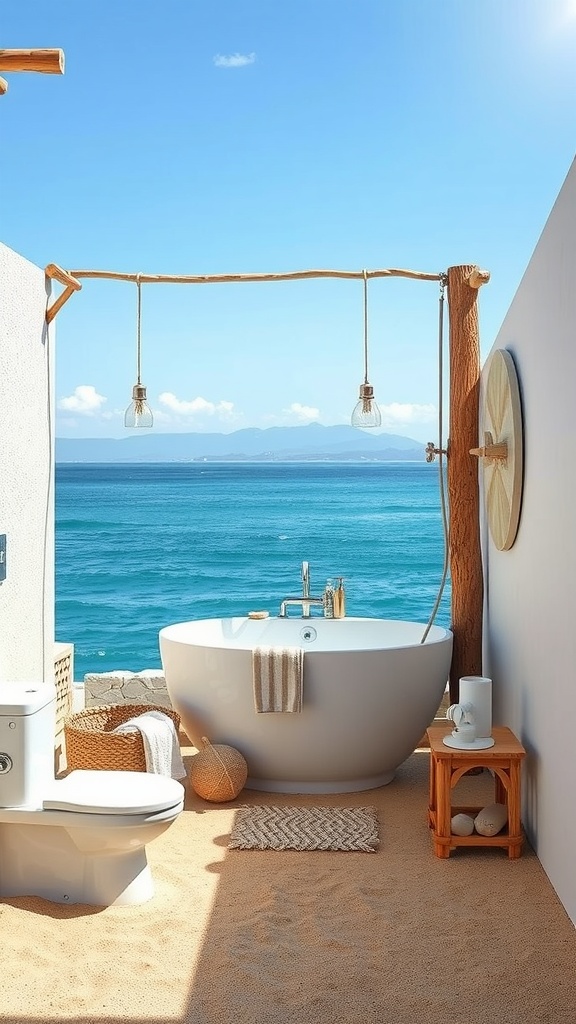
x=46 y=62
x=295 y=275
x=69 y=278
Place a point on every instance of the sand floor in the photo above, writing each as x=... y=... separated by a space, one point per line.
x=260 y=937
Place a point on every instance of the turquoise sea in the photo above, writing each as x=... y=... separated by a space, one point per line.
x=141 y=546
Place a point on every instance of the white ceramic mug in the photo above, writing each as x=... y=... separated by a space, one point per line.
x=465 y=733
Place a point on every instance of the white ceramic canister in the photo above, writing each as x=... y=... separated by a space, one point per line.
x=477 y=690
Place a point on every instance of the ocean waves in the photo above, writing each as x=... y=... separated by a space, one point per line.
x=140 y=547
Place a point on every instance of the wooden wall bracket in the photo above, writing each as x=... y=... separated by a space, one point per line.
x=70 y=283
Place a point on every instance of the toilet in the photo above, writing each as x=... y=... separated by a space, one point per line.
x=79 y=839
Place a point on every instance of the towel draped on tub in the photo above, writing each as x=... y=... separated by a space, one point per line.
x=277 y=676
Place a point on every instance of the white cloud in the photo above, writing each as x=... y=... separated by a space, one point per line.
x=302 y=413
x=197 y=407
x=295 y=414
x=406 y=413
x=235 y=60
x=409 y=418
x=85 y=400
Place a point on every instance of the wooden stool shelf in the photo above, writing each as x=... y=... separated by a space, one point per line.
x=448 y=765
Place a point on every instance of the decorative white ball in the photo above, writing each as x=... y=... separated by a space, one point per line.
x=491 y=820
x=462 y=825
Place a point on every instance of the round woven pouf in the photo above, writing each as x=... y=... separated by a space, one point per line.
x=218 y=772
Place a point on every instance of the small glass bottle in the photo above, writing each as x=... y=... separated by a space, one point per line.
x=329 y=600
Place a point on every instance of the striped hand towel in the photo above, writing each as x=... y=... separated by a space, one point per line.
x=277 y=674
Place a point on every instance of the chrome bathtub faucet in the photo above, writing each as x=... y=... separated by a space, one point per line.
x=305 y=601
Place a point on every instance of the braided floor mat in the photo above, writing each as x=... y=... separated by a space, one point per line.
x=305 y=828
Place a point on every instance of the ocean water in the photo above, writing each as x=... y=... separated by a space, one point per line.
x=141 y=546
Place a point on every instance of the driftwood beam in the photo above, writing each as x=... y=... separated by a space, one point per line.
x=46 y=62
x=70 y=278
x=293 y=275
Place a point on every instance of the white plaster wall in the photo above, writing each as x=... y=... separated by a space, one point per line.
x=530 y=623
x=26 y=474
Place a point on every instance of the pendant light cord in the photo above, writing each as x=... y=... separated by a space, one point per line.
x=365 y=277
x=443 y=502
x=138 y=322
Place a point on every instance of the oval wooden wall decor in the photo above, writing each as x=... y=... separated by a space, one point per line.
x=502 y=452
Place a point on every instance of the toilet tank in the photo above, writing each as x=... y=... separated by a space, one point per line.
x=27 y=723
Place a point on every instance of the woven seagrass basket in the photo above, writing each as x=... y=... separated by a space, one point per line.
x=91 y=742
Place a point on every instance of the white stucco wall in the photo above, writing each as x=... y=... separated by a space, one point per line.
x=26 y=474
x=530 y=626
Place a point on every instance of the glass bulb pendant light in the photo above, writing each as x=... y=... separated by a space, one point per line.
x=366 y=412
x=138 y=413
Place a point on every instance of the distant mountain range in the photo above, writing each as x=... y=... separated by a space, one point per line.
x=274 y=444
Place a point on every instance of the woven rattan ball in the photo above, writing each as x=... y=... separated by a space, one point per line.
x=218 y=772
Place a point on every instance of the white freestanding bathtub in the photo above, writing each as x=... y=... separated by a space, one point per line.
x=370 y=689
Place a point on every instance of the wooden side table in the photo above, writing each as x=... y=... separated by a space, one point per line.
x=448 y=765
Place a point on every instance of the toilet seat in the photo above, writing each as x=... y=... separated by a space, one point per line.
x=113 y=792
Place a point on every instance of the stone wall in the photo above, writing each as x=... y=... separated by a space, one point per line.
x=145 y=687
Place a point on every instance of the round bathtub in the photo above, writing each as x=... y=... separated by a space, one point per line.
x=369 y=690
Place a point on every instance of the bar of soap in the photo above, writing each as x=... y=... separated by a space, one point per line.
x=258 y=615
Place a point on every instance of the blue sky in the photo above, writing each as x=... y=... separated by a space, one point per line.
x=243 y=136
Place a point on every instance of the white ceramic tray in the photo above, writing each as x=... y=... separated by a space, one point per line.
x=482 y=743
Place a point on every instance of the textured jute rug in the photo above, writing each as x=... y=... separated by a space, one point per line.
x=305 y=828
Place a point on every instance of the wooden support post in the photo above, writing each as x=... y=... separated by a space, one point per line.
x=463 y=489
